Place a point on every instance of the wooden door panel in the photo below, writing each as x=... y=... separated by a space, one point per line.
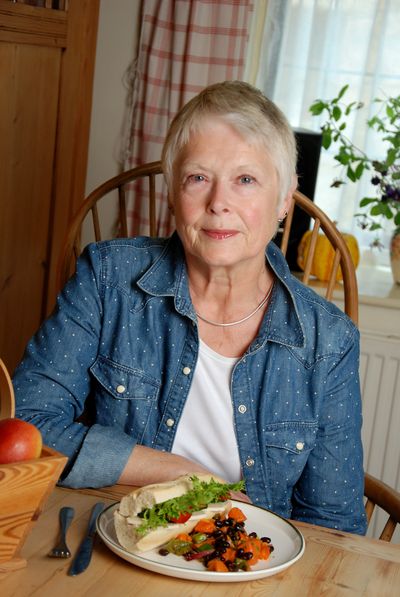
x=28 y=124
x=46 y=72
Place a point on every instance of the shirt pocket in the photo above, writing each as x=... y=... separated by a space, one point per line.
x=287 y=448
x=124 y=397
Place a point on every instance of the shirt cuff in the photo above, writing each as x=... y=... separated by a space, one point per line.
x=101 y=459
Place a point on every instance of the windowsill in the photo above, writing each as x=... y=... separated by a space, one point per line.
x=375 y=287
x=378 y=299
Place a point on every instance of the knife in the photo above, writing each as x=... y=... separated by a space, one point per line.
x=84 y=554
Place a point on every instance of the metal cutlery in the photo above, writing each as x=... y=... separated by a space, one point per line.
x=61 y=549
x=84 y=554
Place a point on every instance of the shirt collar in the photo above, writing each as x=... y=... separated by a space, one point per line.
x=282 y=323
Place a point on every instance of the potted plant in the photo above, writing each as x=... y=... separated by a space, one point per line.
x=355 y=163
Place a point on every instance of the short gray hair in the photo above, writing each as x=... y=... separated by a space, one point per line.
x=249 y=112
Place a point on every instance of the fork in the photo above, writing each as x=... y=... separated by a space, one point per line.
x=61 y=550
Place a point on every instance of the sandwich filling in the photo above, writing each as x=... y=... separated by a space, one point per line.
x=180 y=509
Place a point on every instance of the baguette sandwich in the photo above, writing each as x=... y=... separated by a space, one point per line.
x=150 y=516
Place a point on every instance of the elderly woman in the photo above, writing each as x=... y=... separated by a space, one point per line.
x=201 y=352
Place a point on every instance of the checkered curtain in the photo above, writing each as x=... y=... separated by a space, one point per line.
x=184 y=46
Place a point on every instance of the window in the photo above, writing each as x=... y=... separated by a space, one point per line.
x=312 y=48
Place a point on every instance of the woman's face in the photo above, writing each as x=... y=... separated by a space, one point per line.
x=225 y=197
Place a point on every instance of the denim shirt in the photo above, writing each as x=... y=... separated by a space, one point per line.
x=122 y=344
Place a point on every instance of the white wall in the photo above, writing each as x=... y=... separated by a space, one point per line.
x=116 y=48
x=117 y=40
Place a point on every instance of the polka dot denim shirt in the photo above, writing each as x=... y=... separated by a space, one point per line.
x=113 y=365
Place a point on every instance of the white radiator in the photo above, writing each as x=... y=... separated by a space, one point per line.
x=380 y=390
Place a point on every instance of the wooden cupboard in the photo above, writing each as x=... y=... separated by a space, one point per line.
x=46 y=75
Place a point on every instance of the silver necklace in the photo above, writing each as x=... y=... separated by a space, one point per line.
x=225 y=325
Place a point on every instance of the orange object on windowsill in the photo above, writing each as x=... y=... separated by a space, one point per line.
x=324 y=255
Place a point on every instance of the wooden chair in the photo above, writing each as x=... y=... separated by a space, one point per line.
x=380 y=495
x=376 y=492
x=320 y=221
x=7 y=401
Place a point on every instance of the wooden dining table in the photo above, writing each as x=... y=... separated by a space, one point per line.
x=333 y=564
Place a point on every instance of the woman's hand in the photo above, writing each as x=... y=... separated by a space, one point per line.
x=239 y=496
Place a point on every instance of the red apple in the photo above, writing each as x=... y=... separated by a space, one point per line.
x=19 y=440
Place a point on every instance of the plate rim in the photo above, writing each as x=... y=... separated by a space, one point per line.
x=202 y=575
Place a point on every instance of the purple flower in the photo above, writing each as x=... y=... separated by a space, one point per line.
x=390 y=191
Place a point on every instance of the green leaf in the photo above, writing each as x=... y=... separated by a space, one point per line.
x=326 y=138
x=343 y=91
x=317 y=107
x=367 y=200
x=375 y=226
x=391 y=157
x=397 y=219
x=379 y=166
x=388 y=212
x=342 y=157
x=393 y=140
x=336 y=113
x=390 y=112
x=373 y=121
x=349 y=108
x=351 y=174
x=377 y=210
x=359 y=170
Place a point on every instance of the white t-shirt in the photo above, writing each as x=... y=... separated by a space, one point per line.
x=206 y=431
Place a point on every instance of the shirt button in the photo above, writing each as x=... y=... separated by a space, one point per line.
x=170 y=422
x=249 y=462
x=242 y=408
x=186 y=370
x=300 y=445
x=121 y=389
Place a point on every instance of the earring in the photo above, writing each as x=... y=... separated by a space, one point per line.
x=280 y=220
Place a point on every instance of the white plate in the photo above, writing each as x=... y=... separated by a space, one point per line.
x=288 y=545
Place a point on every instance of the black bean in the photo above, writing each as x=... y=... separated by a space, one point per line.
x=163 y=551
x=232 y=567
x=247 y=555
x=266 y=539
x=219 y=543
